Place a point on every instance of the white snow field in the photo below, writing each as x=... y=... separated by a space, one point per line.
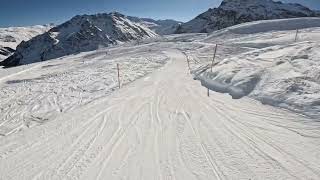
x=281 y=72
x=31 y=95
x=66 y=119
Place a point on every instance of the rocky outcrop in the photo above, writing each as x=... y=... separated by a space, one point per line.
x=6 y=51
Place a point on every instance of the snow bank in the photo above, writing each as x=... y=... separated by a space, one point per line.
x=237 y=90
x=268 y=25
x=286 y=76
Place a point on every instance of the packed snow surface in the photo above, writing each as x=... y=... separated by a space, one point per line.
x=66 y=118
x=39 y=92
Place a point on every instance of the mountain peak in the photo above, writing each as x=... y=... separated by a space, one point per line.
x=117 y=14
x=81 y=33
x=232 y=12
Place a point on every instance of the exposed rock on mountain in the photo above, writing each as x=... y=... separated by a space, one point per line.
x=232 y=12
x=12 y=36
x=6 y=51
x=81 y=33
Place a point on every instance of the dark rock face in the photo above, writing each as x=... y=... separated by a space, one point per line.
x=9 y=38
x=233 y=12
x=11 y=61
x=6 y=51
x=80 y=34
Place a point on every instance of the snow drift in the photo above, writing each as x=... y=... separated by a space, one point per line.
x=284 y=75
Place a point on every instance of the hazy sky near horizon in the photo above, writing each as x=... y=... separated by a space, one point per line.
x=32 y=12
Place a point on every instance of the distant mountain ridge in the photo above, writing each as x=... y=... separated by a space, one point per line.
x=12 y=36
x=232 y=12
x=161 y=27
x=81 y=33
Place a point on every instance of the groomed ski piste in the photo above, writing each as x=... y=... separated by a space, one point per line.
x=67 y=119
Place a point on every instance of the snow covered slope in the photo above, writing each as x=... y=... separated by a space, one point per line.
x=260 y=34
x=12 y=36
x=35 y=94
x=278 y=71
x=268 y=25
x=164 y=127
x=286 y=76
x=81 y=33
x=161 y=27
x=232 y=12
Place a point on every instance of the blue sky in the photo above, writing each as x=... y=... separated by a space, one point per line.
x=31 y=12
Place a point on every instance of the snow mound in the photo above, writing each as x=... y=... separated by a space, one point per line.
x=286 y=76
x=232 y=12
x=80 y=34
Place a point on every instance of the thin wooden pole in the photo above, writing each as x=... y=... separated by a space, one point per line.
x=118 y=68
x=188 y=63
x=208 y=92
x=296 y=38
x=214 y=56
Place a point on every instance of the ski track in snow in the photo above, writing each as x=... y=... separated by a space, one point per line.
x=39 y=92
x=163 y=126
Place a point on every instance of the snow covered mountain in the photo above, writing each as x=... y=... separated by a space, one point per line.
x=12 y=36
x=161 y=27
x=232 y=12
x=81 y=33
